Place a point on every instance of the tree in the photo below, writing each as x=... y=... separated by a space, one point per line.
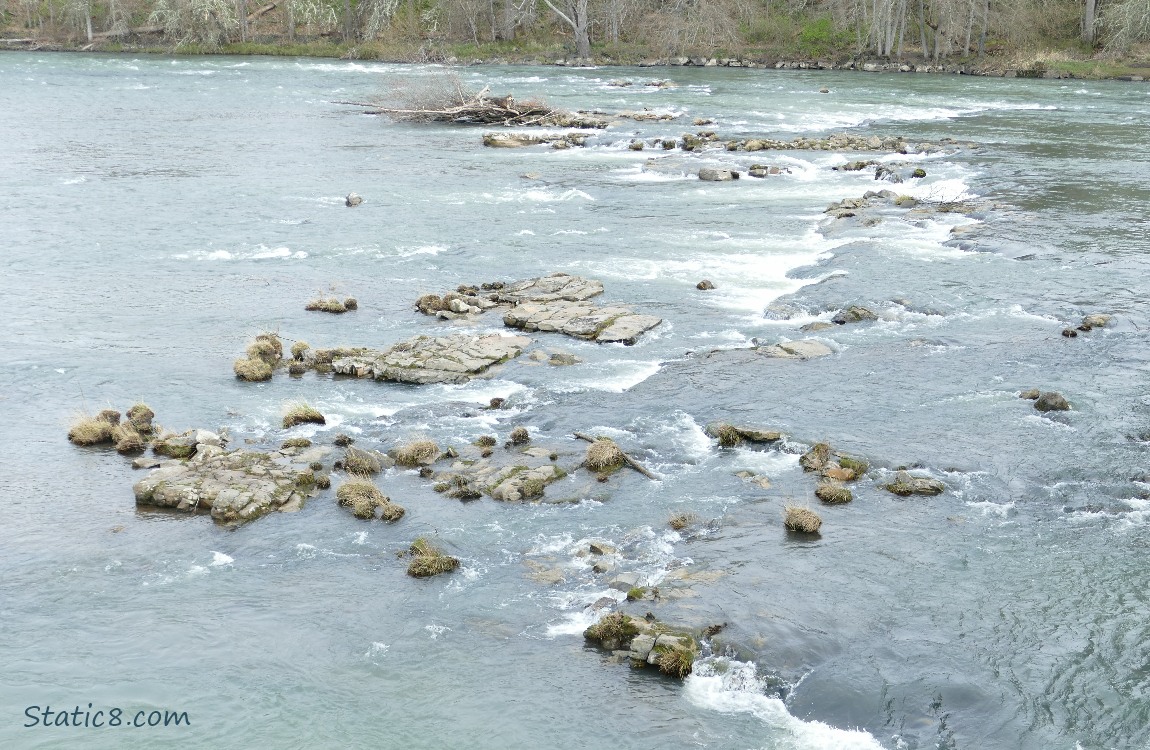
x=578 y=18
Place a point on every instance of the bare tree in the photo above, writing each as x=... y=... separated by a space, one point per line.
x=575 y=14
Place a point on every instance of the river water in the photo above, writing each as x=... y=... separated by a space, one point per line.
x=156 y=213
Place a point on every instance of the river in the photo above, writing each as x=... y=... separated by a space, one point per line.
x=156 y=213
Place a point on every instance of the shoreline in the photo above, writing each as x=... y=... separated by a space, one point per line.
x=1040 y=66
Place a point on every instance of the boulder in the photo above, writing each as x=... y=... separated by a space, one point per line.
x=1051 y=401
x=710 y=174
x=705 y=285
x=853 y=314
x=905 y=484
x=833 y=493
x=1031 y=394
x=352 y=200
x=1096 y=320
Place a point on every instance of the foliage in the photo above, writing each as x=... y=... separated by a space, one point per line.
x=207 y=23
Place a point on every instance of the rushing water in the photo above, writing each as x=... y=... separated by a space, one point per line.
x=157 y=213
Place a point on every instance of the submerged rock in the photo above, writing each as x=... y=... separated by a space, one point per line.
x=853 y=314
x=1096 y=320
x=801 y=349
x=236 y=486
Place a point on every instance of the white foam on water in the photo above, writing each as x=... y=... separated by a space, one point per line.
x=525 y=233
x=436 y=630
x=219 y=559
x=378 y=648
x=572 y=623
x=305 y=551
x=74 y=181
x=612 y=376
x=412 y=251
x=261 y=252
x=734 y=687
x=360 y=538
x=196 y=571
x=989 y=508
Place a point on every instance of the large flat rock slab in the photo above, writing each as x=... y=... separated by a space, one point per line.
x=433 y=359
x=555 y=303
x=801 y=349
x=236 y=486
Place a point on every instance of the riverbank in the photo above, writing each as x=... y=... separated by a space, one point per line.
x=1051 y=64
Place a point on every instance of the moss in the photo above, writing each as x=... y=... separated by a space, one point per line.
x=88 y=430
x=682 y=520
x=675 y=661
x=428 y=560
x=328 y=305
x=603 y=454
x=857 y=466
x=351 y=303
x=728 y=436
x=485 y=441
x=636 y=593
x=801 y=519
x=252 y=370
x=302 y=413
x=298 y=442
x=416 y=452
x=299 y=350
x=918 y=173
x=615 y=628
x=520 y=436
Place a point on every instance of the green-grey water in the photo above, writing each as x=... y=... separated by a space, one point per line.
x=157 y=213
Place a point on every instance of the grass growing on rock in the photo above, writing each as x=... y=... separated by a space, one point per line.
x=361 y=462
x=128 y=439
x=682 y=520
x=800 y=519
x=485 y=441
x=428 y=560
x=603 y=455
x=728 y=436
x=328 y=305
x=299 y=350
x=416 y=452
x=361 y=496
x=675 y=661
x=140 y=416
x=89 y=430
x=296 y=443
x=252 y=370
x=833 y=493
x=302 y=413
x=615 y=628
x=520 y=436
x=859 y=467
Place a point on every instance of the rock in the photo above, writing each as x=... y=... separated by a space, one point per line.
x=352 y=200
x=602 y=548
x=817 y=458
x=237 y=486
x=624 y=581
x=203 y=437
x=427 y=359
x=918 y=174
x=801 y=349
x=853 y=314
x=143 y=462
x=705 y=285
x=1096 y=320
x=1031 y=394
x=1070 y=333
x=720 y=431
x=710 y=174
x=905 y=484
x=563 y=359
x=1051 y=401
x=581 y=320
x=818 y=325
x=803 y=520
x=824 y=91
x=175 y=446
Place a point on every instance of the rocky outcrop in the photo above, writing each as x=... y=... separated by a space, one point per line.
x=236 y=486
x=711 y=174
x=905 y=484
x=432 y=359
x=645 y=643
x=556 y=303
x=519 y=140
x=853 y=314
x=729 y=434
x=518 y=475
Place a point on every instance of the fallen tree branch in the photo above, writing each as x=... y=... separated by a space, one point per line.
x=627 y=459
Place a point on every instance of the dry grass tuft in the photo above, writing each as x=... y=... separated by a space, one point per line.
x=361 y=462
x=299 y=350
x=833 y=493
x=801 y=519
x=616 y=628
x=302 y=413
x=391 y=512
x=676 y=662
x=140 y=416
x=128 y=438
x=351 y=303
x=520 y=436
x=417 y=452
x=429 y=304
x=728 y=436
x=428 y=560
x=485 y=441
x=603 y=454
x=682 y=520
x=297 y=442
x=88 y=430
x=252 y=370
x=361 y=496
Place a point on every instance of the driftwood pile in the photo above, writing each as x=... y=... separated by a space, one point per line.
x=449 y=101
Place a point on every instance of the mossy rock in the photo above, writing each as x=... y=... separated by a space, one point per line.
x=298 y=442
x=416 y=453
x=90 y=431
x=302 y=413
x=614 y=631
x=816 y=458
x=428 y=560
x=252 y=370
x=833 y=493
